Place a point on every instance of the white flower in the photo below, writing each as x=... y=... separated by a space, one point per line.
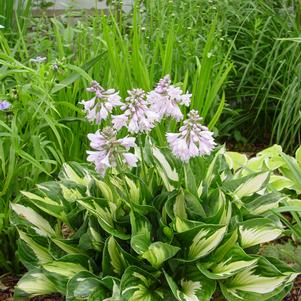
x=38 y=59
x=137 y=116
x=193 y=140
x=166 y=98
x=109 y=149
x=101 y=105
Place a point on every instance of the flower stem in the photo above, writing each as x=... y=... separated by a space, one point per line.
x=142 y=157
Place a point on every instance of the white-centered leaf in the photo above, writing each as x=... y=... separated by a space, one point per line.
x=42 y=226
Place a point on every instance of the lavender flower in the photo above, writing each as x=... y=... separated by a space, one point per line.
x=166 y=98
x=137 y=116
x=109 y=149
x=101 y=105
x=38 y=59
x=4 y=105
x=193 y=139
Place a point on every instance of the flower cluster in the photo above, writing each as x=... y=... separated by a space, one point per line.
x=4 y=105
x=101 y=105
x=141 y=112
x=109 y=149
x=137 y=116
x=166 y=98
x=193 y=139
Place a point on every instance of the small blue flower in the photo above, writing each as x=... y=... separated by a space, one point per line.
x=4 y=105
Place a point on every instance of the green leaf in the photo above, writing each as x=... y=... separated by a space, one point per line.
x=139 y=285
x=102 y=210
x=190 y=182
x=257 y=283
x=41 y=225
x=235 y=160
x=141 y=233
x=298 y=155
x=257 y=231
x=158 y=252
x=263 y=203
x=234 y=262
x=191 y=285
x=252 y=185
x=41 y=252
x=82 y=285
x=116 y=258
x=202 y=240
x=168 y=174
x=34 y=283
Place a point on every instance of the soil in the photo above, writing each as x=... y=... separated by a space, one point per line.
x=6 y=292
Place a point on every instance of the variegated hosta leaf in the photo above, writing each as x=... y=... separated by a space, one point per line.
x=115 y=259
x=227 y=244
x=76 y=173
x=168 y=174
x=295 y=203
x=182 y=225
x=39 y=223
x=139 y=285
x=40 y=251
x=70 y=194
x=158 y=252
x=82 y=285
x=47 y=205
x=257 y=231
x=202 y=240
x=179 y=209
x=232 y=263
x=235 y=160
x=65 y=269
x=279 y=183
x=33 y=283
x=262 y=204
x=184 y=204
x=212 y=170
x=105 y=212
x=218 y=209
x=62 y=270
x=252 y=185
x=191 y=285
x=141 y=233
x=134 y=190
x=106 y=190
x=257 y=283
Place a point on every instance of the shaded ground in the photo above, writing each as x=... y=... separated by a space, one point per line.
x=6 y=293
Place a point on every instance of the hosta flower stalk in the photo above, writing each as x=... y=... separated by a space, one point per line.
x=101 y=105
x=137 y=116
x=108 y=150
x=166 y=99
x=193 y=139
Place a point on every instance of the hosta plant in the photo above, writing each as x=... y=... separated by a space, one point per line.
x=150 y=223
x=285 y=177
x=174 y=232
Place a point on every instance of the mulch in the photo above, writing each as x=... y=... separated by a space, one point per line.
x=9 y=282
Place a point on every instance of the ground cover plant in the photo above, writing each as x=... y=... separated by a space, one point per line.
x=178 y=226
